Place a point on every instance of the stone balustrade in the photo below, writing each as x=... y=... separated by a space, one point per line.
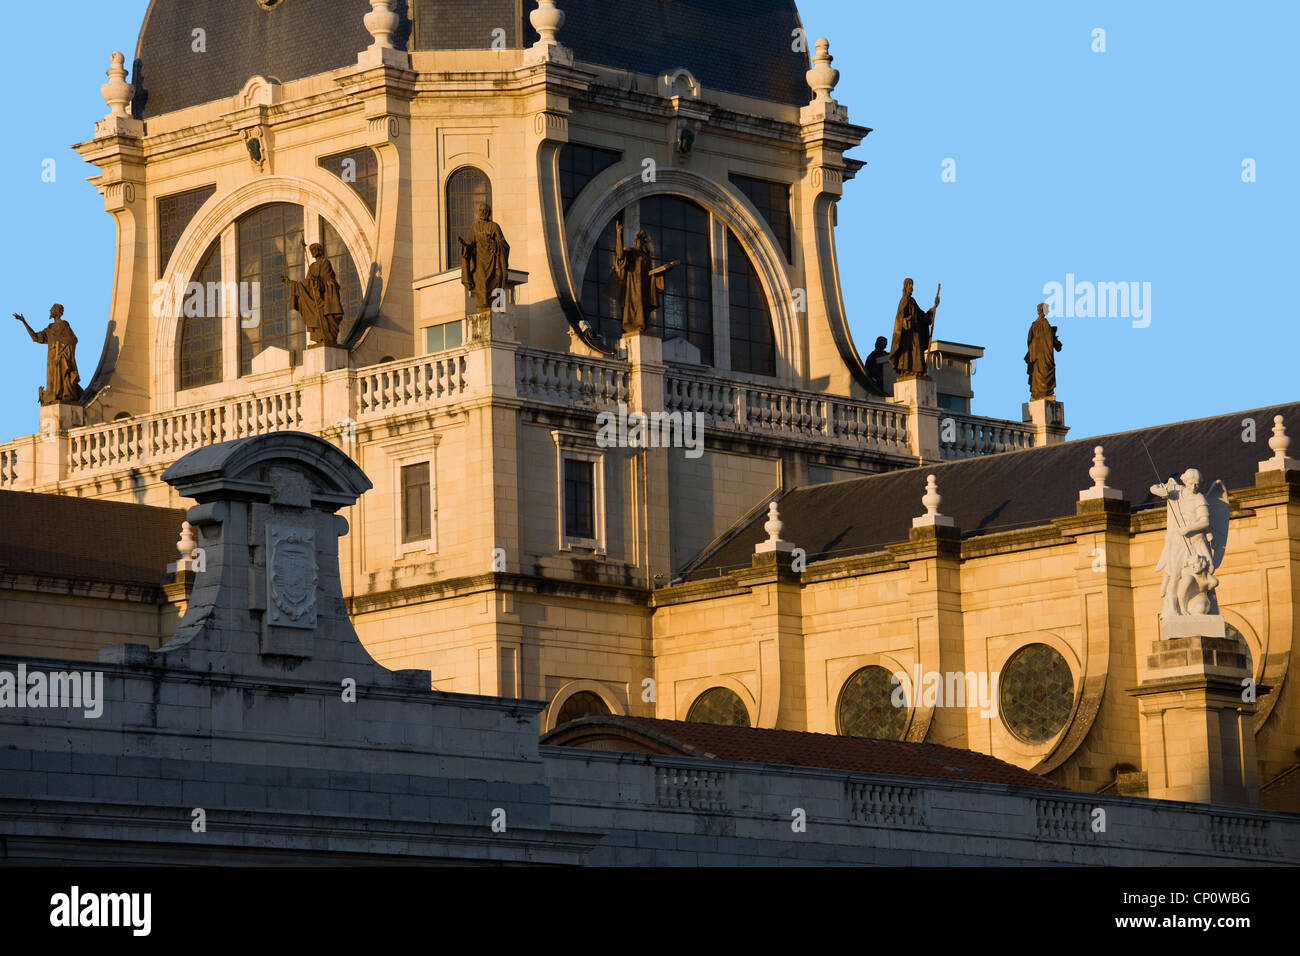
x=410 y=384
x=566 y=379
x=445 y=378
x=973 y=436
x=871 y=426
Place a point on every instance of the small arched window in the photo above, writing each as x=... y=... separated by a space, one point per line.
x=467 y=189
x=872 y=704
x=582 y=704
x=270 y=243
x=201 y=323
x=718 y=705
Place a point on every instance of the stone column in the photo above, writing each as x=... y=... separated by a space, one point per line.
x=1197 y=735
x=921 y=397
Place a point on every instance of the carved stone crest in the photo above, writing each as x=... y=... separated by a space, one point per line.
x=291 y=576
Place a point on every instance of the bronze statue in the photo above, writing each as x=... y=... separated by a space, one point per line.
x=1040 y=360
x=875 y=373
x=62 y=382
x=484 y=259
x=316 y=299
x=635 y=283
x=912 y=331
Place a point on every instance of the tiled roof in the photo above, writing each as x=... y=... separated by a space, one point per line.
x=790 y=748
x=87 y=539
x=738 y=46
x=1006 y=491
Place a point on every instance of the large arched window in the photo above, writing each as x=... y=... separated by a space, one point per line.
x=467 y=189
x=270 y=244
x=599 y=308
x=201 y=324
x=685 y=233
x=753 y=346
x=351 y=291
x=679 y=230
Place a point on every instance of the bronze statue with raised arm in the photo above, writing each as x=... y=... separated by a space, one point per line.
x=635 y=282
x=62 y=381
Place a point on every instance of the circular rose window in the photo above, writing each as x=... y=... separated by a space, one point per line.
x=1036 y=692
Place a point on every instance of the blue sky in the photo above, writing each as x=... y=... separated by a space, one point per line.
x=1122 y=166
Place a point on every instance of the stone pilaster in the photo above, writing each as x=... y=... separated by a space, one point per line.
x=645 y=352
x=933 y=557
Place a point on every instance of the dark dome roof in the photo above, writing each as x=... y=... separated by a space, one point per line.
x=738 y=46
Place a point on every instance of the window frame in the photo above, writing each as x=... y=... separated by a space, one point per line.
x=578 y=446
x=422 y=450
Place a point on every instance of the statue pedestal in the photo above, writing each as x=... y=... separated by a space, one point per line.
x=319 y=359
x=921 y=396
x=52 y=444
x=489 y=326
x=1048 y=418
x=1198 y=738
x=1192 y=625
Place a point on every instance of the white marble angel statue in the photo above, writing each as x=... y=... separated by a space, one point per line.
x=1195 y=540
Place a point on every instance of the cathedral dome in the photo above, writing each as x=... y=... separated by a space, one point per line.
x=737 y=46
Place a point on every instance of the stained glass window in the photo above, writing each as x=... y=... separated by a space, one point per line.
x=1036 y=693
x=718 y=705
x=866 y=707
x=582 y=704
x=201 y=334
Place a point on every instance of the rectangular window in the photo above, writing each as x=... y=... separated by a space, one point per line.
x=416 y=510
x=438 y=338
x=579 y=499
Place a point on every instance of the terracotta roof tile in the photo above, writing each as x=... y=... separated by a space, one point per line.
x=794 y=748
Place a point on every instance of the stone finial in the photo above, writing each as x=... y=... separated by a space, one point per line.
x=117 y=93
x=382 y=22
x=821 y=80
x=185 y=548
x=822 y=77
x=773 y=526
x=1099 y=472
x=932 y=499
x=1280 y=443
x=547 y=19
